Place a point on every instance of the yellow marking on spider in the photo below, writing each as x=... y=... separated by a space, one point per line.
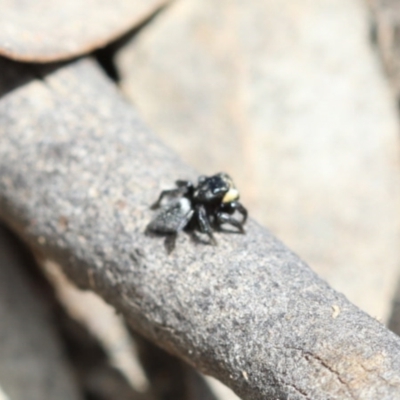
x=231 y=195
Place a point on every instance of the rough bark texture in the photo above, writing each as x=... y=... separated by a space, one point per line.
x=78 y=171
x=32 y=362
x=50 y=30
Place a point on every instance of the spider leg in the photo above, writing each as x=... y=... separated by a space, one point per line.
x=224 y=218
x=180 y=191
x=185 y=221
x=239 y=207
x=186 y=184
x=204 y=223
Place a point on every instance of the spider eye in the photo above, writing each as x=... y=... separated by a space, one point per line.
x=217 y=190
x=217 y=184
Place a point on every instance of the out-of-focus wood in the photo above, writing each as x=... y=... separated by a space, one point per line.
x=33 y=365
x=52 y=30
x=385 y=29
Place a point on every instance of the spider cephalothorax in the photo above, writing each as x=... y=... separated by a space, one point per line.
x=204 y=207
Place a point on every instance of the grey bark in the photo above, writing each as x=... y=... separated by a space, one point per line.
x=78 y=171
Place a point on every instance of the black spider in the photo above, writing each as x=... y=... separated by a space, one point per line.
x=203 y=207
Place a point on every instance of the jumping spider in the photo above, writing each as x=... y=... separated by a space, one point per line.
x=203 y=207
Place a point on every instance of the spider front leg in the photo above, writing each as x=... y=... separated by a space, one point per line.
x=204 y=223
x=183 y=188
x=224 y=218
x=187 y=184
x=239 y=207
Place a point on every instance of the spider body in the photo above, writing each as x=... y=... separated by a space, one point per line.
x=205 y=207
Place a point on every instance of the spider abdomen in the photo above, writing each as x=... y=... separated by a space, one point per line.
x=173 y=217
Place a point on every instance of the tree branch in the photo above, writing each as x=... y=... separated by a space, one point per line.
x=78 y=171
